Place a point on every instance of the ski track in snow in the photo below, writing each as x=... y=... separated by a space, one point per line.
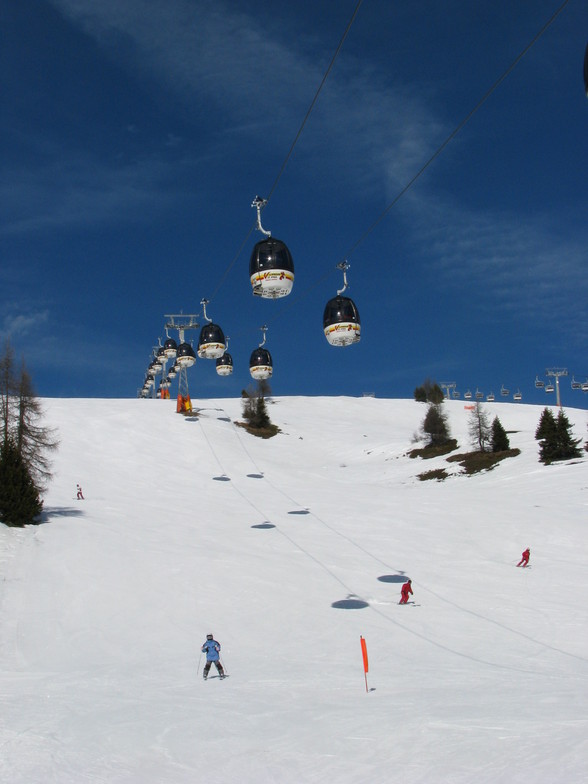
x=228 y=456
x=102 y=609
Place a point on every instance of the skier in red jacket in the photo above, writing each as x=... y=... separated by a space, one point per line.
x=405 y=591
x=525 y=557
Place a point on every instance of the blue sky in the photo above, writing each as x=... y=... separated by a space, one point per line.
x=137 y=134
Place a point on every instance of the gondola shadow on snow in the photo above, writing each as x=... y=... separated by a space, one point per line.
x=392 y=578
x=299 y=512
x=352 y=602
x=222 y=478
x=255 y=476
x=264 y=525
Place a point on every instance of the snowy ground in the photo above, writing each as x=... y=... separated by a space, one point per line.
x=288 y=550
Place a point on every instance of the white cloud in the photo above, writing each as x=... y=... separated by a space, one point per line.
x=16 y=324
x=261 y=78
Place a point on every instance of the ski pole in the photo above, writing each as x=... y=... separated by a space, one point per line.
x=223 y=666
x=199 y=660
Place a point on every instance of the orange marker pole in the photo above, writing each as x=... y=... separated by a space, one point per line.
x=365 y=661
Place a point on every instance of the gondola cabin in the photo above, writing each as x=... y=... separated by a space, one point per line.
x=185 y=356
x=504 y=391
x=271 y=269
x=341 y=322
x=224 y=365
x=153 y=368
x=468 y=395
x=517 y=395
x=260 y=364
x=170 y=348
x=211 y=344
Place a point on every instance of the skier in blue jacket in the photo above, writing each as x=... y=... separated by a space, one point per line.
x=212 y=649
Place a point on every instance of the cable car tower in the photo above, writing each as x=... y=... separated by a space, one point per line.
x=556 y=373
x=185 y=355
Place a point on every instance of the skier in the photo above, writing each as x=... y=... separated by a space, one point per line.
x=212 y=649
x=405 y=591
x=80 y=495
x=525 y=557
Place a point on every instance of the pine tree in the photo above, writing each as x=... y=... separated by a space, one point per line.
x=435 y=425
x=498 y=439
x=33 y=440
x=20 y=419
x=546 y=427
x=479 y=427
x=19 y=498
x=254 y=406
x=557 y=443
x=429 y=392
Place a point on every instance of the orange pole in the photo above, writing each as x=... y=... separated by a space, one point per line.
x=365 y=660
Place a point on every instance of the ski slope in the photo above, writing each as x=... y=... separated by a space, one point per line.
x=288 y=550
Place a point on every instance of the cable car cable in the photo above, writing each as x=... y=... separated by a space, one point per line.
x=293 y=145
x=433 y=157
x=458 y=128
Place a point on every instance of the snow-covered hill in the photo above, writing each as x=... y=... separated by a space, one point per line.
x=288 y=550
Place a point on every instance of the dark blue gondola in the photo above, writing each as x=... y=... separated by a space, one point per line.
x=224 y=364
x=185 y=356
x=341 y=322
x=260 y=364
x=271 y=268
x=170 y=348
x=211 y=343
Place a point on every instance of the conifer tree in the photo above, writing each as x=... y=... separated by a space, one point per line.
x=546 y=427
x=435 y=425
x=429 y=392
x=559 y=444
x=498 y=439
x=19 y=498
x=34 y=441
x=24 y=445
x=479 y=427
x=254 y=406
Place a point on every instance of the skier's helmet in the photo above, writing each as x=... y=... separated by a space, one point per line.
x=209 y=637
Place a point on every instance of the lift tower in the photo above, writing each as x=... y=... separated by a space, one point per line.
x=447 y=385
x=556 y=373
x=185 y=356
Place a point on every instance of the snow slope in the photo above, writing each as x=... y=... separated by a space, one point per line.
x=288 y=550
